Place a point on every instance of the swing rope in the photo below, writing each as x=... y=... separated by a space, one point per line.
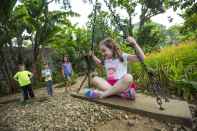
x=87 y=57
x=154 y=86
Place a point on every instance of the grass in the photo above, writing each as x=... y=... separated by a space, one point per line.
x=176 y=62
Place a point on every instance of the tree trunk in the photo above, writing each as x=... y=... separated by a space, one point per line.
x=35 y=57
x=20 y=42
x=130 y=26
x=8 y=73
x=37 y=41
x=142 y=17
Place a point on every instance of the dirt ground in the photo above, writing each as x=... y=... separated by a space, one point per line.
x=65 y=113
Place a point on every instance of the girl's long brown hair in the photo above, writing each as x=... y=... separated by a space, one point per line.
x=111 y=44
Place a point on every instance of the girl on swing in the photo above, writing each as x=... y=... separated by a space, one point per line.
x=118 y=82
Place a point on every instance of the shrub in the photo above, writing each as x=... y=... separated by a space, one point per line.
x=178 y=63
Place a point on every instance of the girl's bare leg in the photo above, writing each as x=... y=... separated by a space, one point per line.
x=101 y=83
x=119 y=86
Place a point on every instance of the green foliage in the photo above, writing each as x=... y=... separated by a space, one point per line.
x=73 y=42
x=33 y=17
x=129 y=5
x=35 y=7
x=151 y=36
x=6 y=8
x=102 y=26
x=174 y=35
x=190 y=24
x=189 y=7
x=178 y=63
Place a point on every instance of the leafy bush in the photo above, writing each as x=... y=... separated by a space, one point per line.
x=151 y=36
x=178 y=63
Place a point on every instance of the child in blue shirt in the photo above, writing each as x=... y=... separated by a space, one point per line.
x=47 y=74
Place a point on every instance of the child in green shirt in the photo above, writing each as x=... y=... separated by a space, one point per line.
x=23 y=77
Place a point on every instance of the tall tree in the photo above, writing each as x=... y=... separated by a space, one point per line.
x=149 y=9
x=6 y=9
x=129 y=6
x=189 y=9
x=44 y=22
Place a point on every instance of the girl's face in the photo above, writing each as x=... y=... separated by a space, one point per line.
x=106 y=52
x=65 y=59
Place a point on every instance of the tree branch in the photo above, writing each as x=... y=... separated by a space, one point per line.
x=49 y=2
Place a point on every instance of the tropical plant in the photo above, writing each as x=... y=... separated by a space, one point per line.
x=178 y=63
x=151 y=36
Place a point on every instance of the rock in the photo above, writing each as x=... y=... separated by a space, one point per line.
x=163 y=129
x=131 y=123
x=169 y=124
x=135 y=117
x=173 y=96
x=192 y=106
x=118 y=117
x=126 y=117
x=88 y=129
x=92 y=129
x=156 y=129
x=183 y=128
x=151 y=120
x=175 y=129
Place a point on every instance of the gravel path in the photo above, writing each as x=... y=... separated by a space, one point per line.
x=65 y=113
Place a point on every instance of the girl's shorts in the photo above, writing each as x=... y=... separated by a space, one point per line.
x=129 y=93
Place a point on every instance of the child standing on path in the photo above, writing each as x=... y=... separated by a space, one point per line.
x=47 y=74
x=23 y=77
x=66 y=69
x=67 y=72
x=118 y=82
